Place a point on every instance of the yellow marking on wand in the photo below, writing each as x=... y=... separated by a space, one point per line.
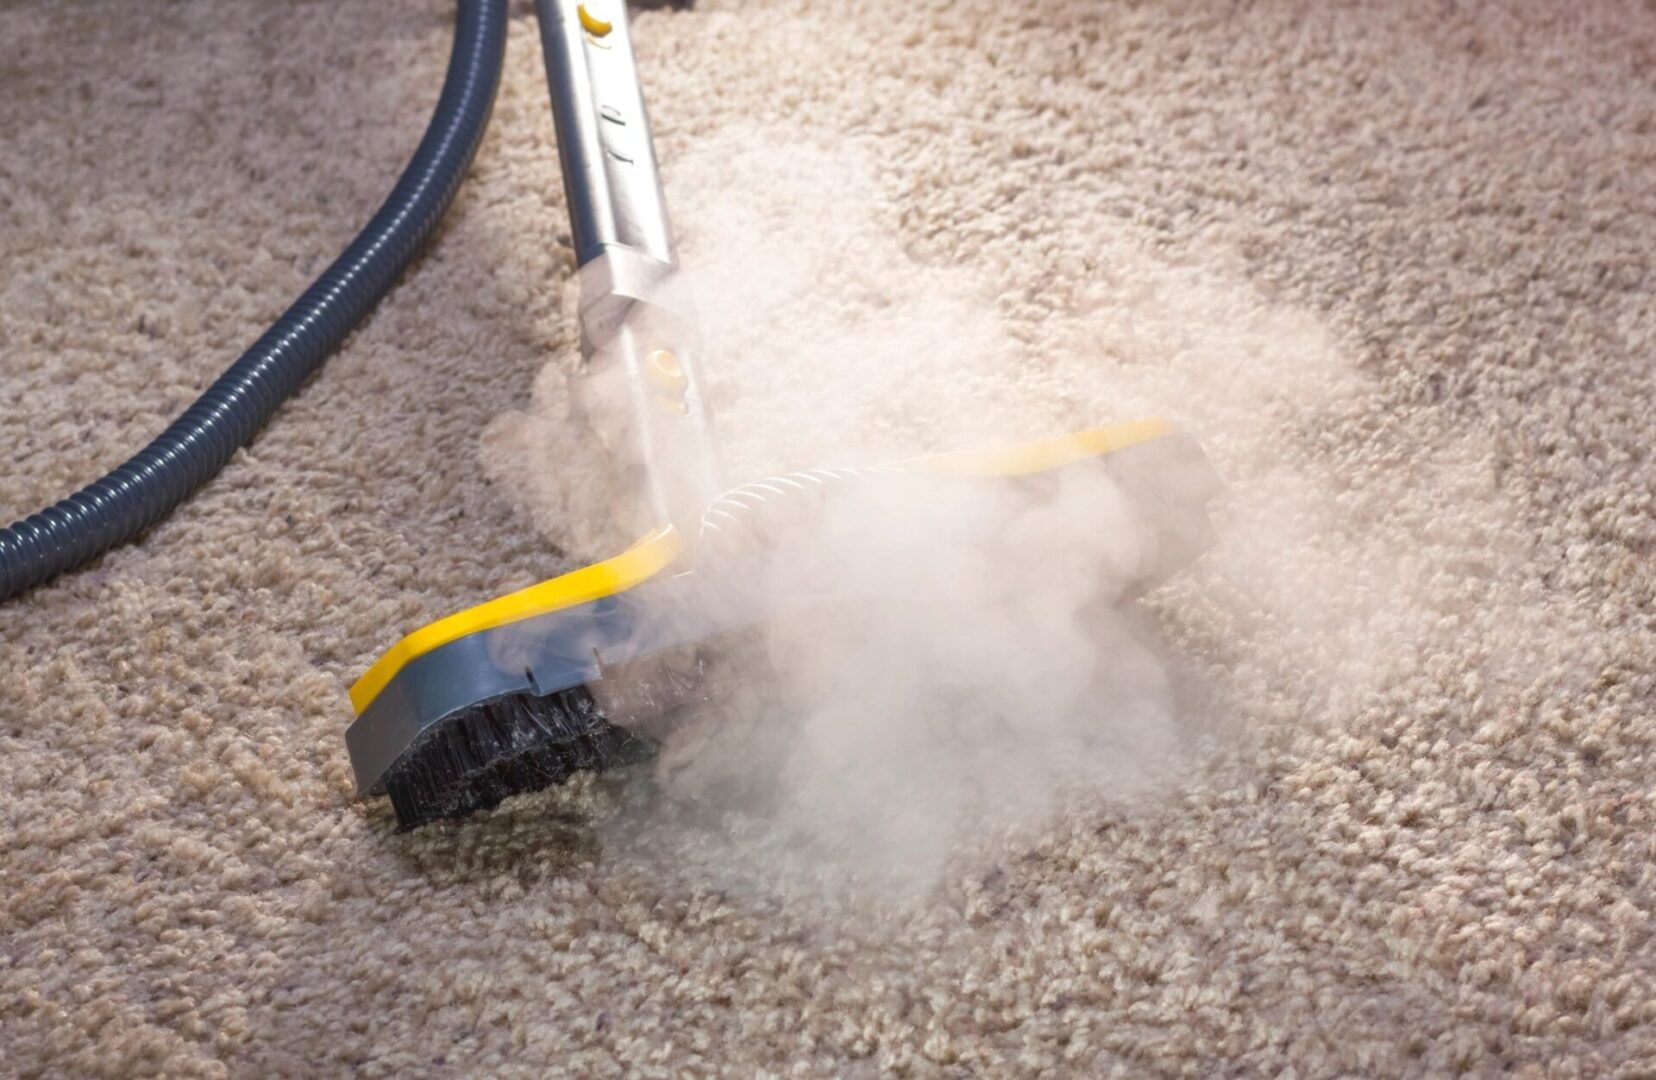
x=591 y=23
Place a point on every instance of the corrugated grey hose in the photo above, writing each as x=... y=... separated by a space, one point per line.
x=188 y=454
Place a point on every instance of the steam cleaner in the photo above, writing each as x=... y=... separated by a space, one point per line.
x=522 y=691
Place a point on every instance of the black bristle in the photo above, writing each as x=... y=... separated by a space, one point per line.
x=472 y=759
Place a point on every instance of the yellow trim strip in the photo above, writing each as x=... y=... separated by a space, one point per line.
x=1042 y=454
x=651 y=554
x=636 y=564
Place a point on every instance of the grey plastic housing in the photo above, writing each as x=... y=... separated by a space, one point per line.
x=743 y=538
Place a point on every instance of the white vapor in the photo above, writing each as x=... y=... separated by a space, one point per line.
x=987 y=667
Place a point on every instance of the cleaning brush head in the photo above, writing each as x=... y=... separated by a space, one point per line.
x=480 y=755
x=582 y=671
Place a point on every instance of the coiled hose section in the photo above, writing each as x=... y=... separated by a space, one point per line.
x=197 y=444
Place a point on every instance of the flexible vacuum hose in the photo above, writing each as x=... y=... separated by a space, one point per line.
x=185 y=456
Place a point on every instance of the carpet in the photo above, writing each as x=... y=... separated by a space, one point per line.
x=1393 y=263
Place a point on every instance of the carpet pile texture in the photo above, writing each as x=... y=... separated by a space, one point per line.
x=1394 y=263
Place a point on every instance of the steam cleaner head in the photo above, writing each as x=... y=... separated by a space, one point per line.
x=521 y=692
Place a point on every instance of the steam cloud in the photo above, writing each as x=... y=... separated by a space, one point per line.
x=988 y=675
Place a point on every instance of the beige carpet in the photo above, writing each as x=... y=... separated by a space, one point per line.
x=1395 y=263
